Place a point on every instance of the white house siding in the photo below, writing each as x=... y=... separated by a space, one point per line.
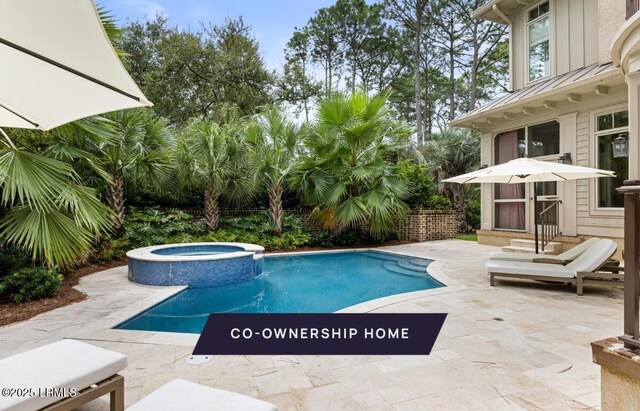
x=591 y=222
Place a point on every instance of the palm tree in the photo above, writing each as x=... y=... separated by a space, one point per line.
x=348 y=169
x=140 y=153
x=274 y=143
x=215 y=158
x=50 y=213
x=119 y=149
x=450 y=153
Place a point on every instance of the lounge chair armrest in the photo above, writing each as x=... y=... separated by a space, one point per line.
x=550 y=261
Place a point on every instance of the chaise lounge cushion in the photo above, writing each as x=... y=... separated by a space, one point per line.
x=600 y=251
x=64 y=364
x=189 y=396
x=568 y=255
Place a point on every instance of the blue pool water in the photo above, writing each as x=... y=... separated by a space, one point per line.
x=197 y=250
x=309 y=283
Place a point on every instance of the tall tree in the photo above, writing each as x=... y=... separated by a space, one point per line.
x=275 y=143
x=412 y=14
x=347 y=169
x=194 y=73
x=484 y=53
x=450 y=153
x=298 y=85
x=326 y=50
x=214 y=158
x=134 y=150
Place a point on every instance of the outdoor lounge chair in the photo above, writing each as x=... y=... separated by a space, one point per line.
x=186 y=395
x=583 y=270
x=567 y=256
x=66 y=364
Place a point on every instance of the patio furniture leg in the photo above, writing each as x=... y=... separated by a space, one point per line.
x=116 y=397
x=492 y=280
x=580 y=283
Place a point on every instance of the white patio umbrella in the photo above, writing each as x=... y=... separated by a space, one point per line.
x=57 y=65
x=528 y=170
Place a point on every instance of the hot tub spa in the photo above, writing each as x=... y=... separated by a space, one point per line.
x=197 y=265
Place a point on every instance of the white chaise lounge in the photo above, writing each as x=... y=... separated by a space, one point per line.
x=66 y=364
x=568 y=255
x=188 y=396
x=581 y=271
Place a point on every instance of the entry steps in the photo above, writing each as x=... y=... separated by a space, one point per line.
x=518 y=245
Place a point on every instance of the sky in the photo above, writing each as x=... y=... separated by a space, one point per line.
x=272 y=21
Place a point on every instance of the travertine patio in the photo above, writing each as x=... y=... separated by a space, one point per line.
x=514 y=346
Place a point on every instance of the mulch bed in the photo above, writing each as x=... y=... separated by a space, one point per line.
x=12 y=313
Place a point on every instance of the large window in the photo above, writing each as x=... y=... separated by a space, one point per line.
x=509 y=199
x=538 y=37
x=539 y=140
x=608 y=127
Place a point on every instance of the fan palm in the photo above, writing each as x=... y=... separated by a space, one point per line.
x=450 y=153
x=274 y=143
x=347 y=169
x=215 y=158
x=50 y=212
x=140 y=153
x=118 y=149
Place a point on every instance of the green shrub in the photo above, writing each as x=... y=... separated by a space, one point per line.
x=12 y=259
x=320 y=239
x=472 y=213
x=143 y=228
x=437 y=202
x=109 y=250
x=422 y=185
x=31 y=283
x=153 y=227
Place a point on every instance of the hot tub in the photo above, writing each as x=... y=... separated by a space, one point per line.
x=197 y=265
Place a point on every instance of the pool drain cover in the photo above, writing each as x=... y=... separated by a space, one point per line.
x=198 y=359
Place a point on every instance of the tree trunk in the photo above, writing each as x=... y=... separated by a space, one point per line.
x=473 y=92
x=452 y=73
x=211 y=211
x=457 y=193
x=275 y=208
x=416 y=80
x=115 y=200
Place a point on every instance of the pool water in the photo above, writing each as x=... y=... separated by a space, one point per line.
x=197 y=250
x=303 y=283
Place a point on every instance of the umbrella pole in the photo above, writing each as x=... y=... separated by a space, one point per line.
x=535 y=213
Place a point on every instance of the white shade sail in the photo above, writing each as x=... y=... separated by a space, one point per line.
x=527 y=170
x=57 y=65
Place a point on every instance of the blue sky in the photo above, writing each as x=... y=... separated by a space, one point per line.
x=273 y=21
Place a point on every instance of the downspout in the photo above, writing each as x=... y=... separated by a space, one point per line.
x=507 y=20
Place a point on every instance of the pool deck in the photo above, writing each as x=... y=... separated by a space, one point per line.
x=516 y=346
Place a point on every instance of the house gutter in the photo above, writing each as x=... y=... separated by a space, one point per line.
x=507 y=20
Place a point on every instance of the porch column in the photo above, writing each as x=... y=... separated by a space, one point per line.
x=567 y=189
x=486 y=190
x=633 y=84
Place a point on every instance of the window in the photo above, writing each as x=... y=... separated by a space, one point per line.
x=509 y=199
x=608 y=127
x=538 y=37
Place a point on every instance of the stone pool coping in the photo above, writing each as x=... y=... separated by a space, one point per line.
x=102 y=330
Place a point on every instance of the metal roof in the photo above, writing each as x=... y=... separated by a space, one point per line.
x=545 y=89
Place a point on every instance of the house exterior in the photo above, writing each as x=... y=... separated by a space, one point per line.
x=575 y=87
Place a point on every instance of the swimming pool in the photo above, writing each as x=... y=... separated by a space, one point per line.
x=301 y=283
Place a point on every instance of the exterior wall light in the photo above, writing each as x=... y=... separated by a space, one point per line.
x=620 y=146
x=565 y=158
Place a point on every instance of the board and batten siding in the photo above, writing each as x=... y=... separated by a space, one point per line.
x=573 y=38
x=588 y=221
